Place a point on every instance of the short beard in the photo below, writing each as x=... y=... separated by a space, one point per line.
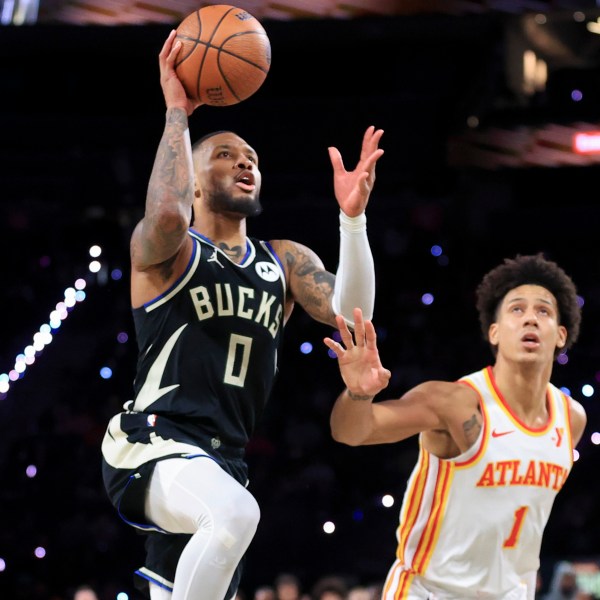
x=222 y=202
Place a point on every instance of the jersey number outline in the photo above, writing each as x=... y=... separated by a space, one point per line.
x=237 y=344
x=511 y=541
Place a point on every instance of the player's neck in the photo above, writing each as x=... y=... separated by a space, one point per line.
x=231 y=240
x=524 y=388
x=222 y=231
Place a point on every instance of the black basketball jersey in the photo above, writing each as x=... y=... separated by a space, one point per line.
x=208 y=345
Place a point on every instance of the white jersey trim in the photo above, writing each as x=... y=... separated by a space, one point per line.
x=178 y=285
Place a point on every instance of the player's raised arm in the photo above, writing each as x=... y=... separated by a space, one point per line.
x=162 y=231
x=318 y=291
x=355 y=275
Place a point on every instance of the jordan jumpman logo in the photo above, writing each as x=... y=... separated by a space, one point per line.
x=215 y=258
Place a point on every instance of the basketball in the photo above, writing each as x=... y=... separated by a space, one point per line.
x=225 y=55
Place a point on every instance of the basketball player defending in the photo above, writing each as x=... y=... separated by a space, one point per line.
x=209 y=306
x=495 y=447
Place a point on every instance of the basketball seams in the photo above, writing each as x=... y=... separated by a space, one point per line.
x=239 y=56
x=237 y=64
x=217 y=24
x=208 y=46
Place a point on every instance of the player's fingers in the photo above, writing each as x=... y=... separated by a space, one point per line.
x=173 y=54
x=367 y=147
x=336 y=159
x=370 y=335
x=335 y=347
x=166 y=49
x=346 y=337
x=376 y=138
x=369 y=163
x=359 y=332
x=384 y=374
x=371 y=141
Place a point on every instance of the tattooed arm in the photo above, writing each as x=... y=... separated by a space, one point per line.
x=160 y=234
x=159 y=242
x=309 y=284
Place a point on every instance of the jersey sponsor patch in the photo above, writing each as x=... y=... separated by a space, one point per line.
x=267 y=271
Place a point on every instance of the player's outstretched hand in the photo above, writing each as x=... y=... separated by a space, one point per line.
x=353 y=188
x=358 y=357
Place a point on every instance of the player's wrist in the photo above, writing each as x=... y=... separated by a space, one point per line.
x=177 y=114
x=353 y=224
x=359 y=396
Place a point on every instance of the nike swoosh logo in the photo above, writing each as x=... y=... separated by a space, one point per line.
x=151 y=390
x=501 y=433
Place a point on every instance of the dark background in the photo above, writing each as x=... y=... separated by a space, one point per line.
x=81 y=114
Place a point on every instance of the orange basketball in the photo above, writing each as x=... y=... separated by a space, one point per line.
x=225 y=55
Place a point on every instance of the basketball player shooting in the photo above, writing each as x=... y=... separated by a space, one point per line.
x=209 y=306
x=495 y=447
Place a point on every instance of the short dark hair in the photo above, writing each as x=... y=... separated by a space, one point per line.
x=532 y=269
x=206 y=136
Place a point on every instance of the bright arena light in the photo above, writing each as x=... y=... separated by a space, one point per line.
x=43 y=337
x=427 y=299
x=306 y=348
x=328 y=527
x=95 y=266
x=387 y=500
x=587 y=390
x=95 y=251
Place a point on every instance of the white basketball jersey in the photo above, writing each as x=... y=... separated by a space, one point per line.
x=471 y=526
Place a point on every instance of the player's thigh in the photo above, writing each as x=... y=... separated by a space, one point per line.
x=182 y=493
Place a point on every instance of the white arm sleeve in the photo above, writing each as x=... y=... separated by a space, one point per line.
x=355 y=277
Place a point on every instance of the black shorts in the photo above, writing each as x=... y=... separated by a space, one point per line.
x=126 y=489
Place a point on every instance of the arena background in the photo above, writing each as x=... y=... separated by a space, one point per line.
x=478 y=166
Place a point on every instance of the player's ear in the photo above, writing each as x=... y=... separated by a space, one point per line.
x=493 y=334
x=562 y=337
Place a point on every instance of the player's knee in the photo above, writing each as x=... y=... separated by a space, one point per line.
x=235 y=526
x=246 y=512
x=251 y=512
x=240 y=515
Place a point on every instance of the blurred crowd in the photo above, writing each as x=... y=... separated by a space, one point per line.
x=563 y=585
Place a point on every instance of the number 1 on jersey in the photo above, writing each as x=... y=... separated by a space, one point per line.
x=238 y=354
x=513 y=538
